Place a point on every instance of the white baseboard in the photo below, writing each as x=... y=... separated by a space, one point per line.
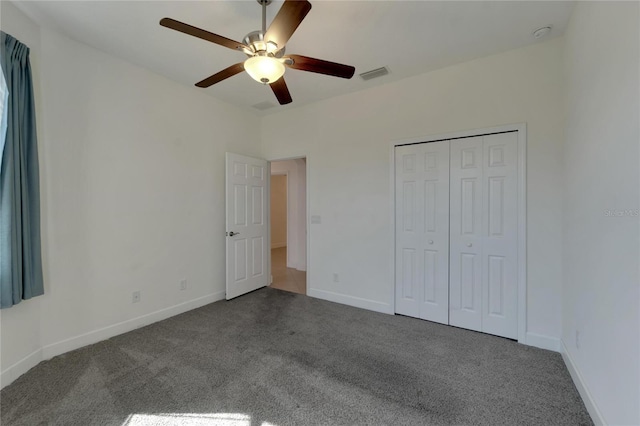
x=20 y=367
x=76 y=342
x=357 y=302
x=278 y=245
x=581 y=385
x=543 y=342
x=95 y=336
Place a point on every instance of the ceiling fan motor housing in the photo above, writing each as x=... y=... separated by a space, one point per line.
x=255 y=40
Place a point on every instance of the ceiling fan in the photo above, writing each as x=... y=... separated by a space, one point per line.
x=265 y=49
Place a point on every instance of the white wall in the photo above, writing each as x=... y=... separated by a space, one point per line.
x=132 y=180
x=278 y=216
x=296 y=207
x=601 y=254
x=347 y=141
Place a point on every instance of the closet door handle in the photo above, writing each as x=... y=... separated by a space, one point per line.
x=469 y=245
x=430 y=241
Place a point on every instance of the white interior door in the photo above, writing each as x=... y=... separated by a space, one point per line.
x=465 y=275
x=247 y=224
x=422 y=231
x=484 y=234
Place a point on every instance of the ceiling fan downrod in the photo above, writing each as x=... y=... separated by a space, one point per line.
x=255 y=39
x=264 y=4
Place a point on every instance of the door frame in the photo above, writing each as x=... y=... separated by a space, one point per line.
x=307 y=215
x=521 y=128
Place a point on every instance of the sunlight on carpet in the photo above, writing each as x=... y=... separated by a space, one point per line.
x=190 y=419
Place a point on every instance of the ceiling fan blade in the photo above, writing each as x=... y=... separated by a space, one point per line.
x=224 y=74
x=281 y=91
x=304 y=63
x=203 y=34
x=286 y=21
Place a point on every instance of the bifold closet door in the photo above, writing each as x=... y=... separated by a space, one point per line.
x=483 y=237
x=422 y=231
x=465 y=275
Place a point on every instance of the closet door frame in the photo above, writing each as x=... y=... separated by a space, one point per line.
x=521 y=128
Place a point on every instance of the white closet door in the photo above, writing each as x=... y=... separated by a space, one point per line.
x=466 y=215
x=500 y=248
x=422 y=231
x=483 y=254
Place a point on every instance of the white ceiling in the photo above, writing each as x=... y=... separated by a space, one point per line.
x=409 y=37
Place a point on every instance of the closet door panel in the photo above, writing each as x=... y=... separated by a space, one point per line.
x=407 y=232
x=500 y=248
x=466 y=218
x=422 y=231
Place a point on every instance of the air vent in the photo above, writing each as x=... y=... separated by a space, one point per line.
x=379 y=72
x=264 y=105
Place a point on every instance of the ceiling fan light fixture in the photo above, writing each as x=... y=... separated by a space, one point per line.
x=264 y=69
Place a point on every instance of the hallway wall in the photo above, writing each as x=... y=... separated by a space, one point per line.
x=297 y=210
x=278 y=211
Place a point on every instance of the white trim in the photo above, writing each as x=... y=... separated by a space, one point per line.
x=104 y=333
x=357 y=302
x=543 y=342
x=581 y=385
x=522 y=232
x=521 y=128
x=19 y=368
x=307 y=220
x=268 y=195
x=392 y=207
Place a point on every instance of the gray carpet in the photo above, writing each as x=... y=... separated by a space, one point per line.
x=278 y=358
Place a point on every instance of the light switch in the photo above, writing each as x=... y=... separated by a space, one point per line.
x=316 y=219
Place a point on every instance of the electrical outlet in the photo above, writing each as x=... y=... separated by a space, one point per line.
x=577 y=339
x=135 y=297
x=183 y=284
x=336 y=278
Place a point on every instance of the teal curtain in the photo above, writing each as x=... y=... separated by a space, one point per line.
x=20 y=257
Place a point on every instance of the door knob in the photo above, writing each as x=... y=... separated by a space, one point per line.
x=469 y=245
x=231 y=234
x=430 y=241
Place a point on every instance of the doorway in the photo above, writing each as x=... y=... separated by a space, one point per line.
x=288 y=225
